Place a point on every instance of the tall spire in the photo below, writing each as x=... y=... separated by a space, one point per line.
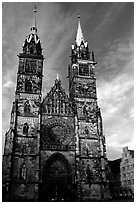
x=34 y=27
x=32 y=44
x=79 y=36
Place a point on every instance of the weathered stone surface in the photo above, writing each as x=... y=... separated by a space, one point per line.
x=55 y=148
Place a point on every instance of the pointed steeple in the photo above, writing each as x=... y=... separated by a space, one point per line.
x=57 y=76
x=34 y=27
x=79 y=36
x=32 y=44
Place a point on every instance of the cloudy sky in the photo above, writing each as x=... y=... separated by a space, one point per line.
x=109 y=30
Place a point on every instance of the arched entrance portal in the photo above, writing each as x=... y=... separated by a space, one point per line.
x=57 y=180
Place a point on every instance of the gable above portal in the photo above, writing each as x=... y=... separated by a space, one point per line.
x=57 y=101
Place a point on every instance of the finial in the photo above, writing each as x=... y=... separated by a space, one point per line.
x=35 y=9
x=34 y=27
x=78 y=16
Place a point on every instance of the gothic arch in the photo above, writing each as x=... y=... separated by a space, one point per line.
x=57 y=157
x=56 y=178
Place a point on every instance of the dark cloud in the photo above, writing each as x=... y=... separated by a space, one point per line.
x=108 y=28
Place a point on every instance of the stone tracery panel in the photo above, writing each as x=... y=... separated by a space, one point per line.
x=90 y=148
x=57 y=131
x=88 y=130
x=26 y=146
x=85 y=89
x=28 y=107
x=57 y=102
x=87 y=109
x=90 y=171
x=32 y=124
x=29 y=83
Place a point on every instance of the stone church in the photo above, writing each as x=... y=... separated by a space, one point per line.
x=55 y=148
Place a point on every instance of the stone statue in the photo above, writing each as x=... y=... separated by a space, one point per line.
x=28 y=86
x=25 y=128
x=89 y=175
x=23 y=171
x=86 y=130
x=85 y=110
x=27 y=107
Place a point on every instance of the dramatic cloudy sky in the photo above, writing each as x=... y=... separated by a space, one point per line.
x=108 y=28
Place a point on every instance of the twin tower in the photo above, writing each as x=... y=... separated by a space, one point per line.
x=55 y=148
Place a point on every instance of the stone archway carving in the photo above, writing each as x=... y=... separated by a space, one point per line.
x=56 y=179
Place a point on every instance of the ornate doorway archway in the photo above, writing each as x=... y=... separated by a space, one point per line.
x=57 y=180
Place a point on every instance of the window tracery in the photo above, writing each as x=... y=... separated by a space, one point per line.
x=84 y=69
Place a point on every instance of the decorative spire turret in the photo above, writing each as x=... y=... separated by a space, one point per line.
x=80 y=50
x=32 y=44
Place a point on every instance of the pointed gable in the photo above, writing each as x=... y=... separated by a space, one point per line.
x=57 y=101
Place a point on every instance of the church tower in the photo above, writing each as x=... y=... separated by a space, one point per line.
x=55 y=148
x=21 y=153
x=90 y=142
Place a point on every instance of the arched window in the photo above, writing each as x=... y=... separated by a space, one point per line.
x=23 y=171
x=28 y=86
x=25 y=128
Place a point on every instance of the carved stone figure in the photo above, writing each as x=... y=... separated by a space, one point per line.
x=103 y=140
x=87 y=151
x=86 y=130
x=28 y=86
x=20 y=83
x=25 y=128
x=89 y=175
x=85 y=110
x=23 y=172
x=27 y=107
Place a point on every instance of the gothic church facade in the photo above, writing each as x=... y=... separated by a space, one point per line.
x=55 y=148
